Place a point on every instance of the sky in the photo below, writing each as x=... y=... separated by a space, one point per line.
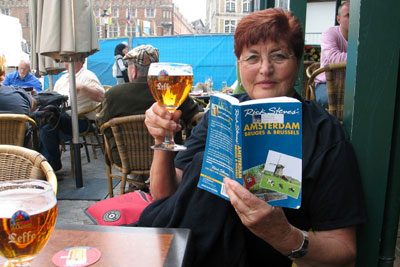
x=192 y=9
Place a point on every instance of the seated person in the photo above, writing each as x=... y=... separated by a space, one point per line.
x=89 y=92
x=248 y=231
x=14 y=100
x=23 y=77
x=333 y=50
x=135 y=97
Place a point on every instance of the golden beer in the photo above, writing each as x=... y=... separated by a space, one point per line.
x=170 y=84
x=27 y=218
x=170 y=91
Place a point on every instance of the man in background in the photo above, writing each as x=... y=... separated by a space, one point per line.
x=89 y=92
x=23 y=78
x=135 y=97
x=333 y=49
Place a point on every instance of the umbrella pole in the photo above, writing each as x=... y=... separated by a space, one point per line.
x=75 y=127
x=51 y=82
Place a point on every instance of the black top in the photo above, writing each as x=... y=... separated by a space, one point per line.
x=331 y=196
x=14 y=100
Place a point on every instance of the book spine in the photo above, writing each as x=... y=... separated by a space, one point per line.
x=237 y=144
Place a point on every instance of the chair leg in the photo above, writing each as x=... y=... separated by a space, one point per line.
x=123 y=183
x=86 y=148
x=100 y=144
x=71 y=151
x=93 y=146
x=110 y=186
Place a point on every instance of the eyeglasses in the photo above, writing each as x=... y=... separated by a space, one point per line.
x=276 y=58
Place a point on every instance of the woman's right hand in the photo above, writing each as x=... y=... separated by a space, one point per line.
x=160 y=122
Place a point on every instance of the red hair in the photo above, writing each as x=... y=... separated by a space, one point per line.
x=272 y=24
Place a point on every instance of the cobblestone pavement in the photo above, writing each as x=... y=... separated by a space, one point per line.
x=72 y=211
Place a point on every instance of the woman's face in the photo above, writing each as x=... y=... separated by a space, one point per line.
x=125 y=50
x=268 y=69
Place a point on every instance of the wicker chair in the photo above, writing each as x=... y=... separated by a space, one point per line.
x=13 y=128
x=335 y=83
x=91 y=132
x=133 y=144
x=18 y=162
x=310 y=85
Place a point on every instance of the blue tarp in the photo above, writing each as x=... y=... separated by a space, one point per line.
x=210 y=55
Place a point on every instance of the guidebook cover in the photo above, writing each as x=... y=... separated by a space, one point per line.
x=259 y=144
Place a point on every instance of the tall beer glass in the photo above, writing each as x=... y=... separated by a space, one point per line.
x=28 y=212
x=170 y=84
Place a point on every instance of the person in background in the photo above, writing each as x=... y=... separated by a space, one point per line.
x=23 y=78
x=14 y=100
x=333 y=49
x=135 y=97
x=247 y=231
x=120 y=64
x=89 y=92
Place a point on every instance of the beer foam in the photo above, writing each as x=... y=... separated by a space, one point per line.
x=33 y=201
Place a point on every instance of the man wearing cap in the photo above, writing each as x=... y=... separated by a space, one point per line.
x=135 y=97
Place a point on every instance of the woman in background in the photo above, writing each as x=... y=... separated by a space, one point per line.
x=120 y=64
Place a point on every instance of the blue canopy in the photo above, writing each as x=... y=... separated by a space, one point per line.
x=210 y=56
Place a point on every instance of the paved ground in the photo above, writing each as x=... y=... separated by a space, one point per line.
x=72 y=211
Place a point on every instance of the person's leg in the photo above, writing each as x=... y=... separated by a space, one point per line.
x=321 y=95
x=50 y=146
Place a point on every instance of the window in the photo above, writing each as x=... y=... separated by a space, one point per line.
x=246 y=6
x=230 y=26
x=131 y=30
x=115 y=12
x=27 y=19
x=230 y=5
x=132 y=12
x=5 y=11
x=98 y=30
x=98 y=12
x=150 y=12
x=113 y=31
x=166 y=14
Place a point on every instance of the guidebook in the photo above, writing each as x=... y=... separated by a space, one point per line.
x=258 y=143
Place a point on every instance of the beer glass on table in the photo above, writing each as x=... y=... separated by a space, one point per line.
x=170 y=84
x=28 y=212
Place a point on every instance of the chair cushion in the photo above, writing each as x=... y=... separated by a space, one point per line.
x=120 y=210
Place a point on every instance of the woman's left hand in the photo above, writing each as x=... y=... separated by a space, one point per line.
x=265 y=221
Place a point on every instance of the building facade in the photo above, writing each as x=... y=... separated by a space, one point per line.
x=223 y=15
x=118 y=18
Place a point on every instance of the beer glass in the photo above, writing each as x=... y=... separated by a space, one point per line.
x=170 y=84
x=28 y=212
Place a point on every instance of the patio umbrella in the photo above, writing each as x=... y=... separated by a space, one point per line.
x=42 y=64
x=67 y=33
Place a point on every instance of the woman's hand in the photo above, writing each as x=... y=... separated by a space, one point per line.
x=265 y=221
x=160 y=122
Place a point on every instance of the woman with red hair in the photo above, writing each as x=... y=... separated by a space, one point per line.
x=248 y=231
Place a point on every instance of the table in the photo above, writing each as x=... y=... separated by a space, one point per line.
x=120 y=246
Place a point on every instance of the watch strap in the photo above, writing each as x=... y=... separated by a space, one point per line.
x=302 y=250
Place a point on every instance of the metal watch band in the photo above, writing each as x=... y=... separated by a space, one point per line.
x=302 y=250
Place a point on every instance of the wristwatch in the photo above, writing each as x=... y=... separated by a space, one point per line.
x=302 y=250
